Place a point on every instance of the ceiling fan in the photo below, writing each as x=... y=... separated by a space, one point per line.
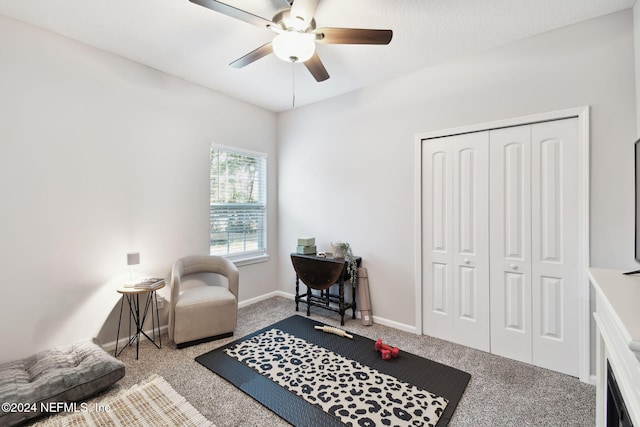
x=297 y=35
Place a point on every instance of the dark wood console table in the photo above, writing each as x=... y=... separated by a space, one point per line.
x=320 y=274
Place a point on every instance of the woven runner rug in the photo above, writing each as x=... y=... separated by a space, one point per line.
x=311 y=378
x=153 y=403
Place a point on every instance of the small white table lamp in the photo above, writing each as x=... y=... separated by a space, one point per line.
x=133 y=258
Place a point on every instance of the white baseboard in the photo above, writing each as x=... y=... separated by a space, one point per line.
x=376 y=319
x=392 y=324
x=110 y=346
x=259 y=298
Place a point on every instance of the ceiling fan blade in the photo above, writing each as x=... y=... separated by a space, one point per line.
x=253 y=56
x=316 y=68
x=304 y=9
x=233 y=12
x=352 y=36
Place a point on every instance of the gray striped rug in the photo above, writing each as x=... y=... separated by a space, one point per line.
x=152 y=403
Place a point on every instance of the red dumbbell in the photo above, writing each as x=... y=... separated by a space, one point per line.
x=386 y=351
x=386 y=354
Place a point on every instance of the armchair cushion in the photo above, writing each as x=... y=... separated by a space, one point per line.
x=205 y=294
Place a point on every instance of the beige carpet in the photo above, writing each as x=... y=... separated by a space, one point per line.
x=526 y=396
x=151 y=403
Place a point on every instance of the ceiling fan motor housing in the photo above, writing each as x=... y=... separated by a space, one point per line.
x=286 y=21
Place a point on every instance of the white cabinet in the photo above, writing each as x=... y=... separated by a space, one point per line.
x=617 y=339
x=500 y=242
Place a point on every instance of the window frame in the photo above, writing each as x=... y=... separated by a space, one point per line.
x=252 y=256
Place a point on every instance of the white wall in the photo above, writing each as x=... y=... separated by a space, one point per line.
x=346 y=167
x=636 y=45
x=101 y=156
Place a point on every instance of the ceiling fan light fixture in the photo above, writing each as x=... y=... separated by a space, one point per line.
x=294 y=46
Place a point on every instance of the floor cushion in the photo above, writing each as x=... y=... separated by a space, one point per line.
x=64 y=374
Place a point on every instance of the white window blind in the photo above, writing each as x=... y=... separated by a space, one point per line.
x=238 y=212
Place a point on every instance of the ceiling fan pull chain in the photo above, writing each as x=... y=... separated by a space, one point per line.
x=293 y=80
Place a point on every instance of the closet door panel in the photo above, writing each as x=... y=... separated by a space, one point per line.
x=514 y=302
x=440 y=282
x=471 y=239
x=510 y=250
x=554 y=245
x=437 y=181
x=455 y=245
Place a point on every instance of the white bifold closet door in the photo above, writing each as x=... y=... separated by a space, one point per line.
x=456 y=239
x=500 y=242
x=534 y=246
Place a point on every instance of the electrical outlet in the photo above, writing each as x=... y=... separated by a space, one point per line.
x=160 y=303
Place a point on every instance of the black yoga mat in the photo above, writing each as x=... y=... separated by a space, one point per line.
x=426 y=374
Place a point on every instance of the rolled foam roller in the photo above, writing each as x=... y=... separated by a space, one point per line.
x=333 y=330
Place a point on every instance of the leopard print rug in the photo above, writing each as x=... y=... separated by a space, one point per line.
x=354 y=393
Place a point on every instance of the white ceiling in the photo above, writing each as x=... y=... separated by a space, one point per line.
x=197 y=44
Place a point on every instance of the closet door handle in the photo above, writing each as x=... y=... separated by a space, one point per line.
x=467 y=261
x=514 y=266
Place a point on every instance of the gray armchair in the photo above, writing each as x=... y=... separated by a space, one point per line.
x=204 y=305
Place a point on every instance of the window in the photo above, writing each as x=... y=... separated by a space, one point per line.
x=238 y=206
